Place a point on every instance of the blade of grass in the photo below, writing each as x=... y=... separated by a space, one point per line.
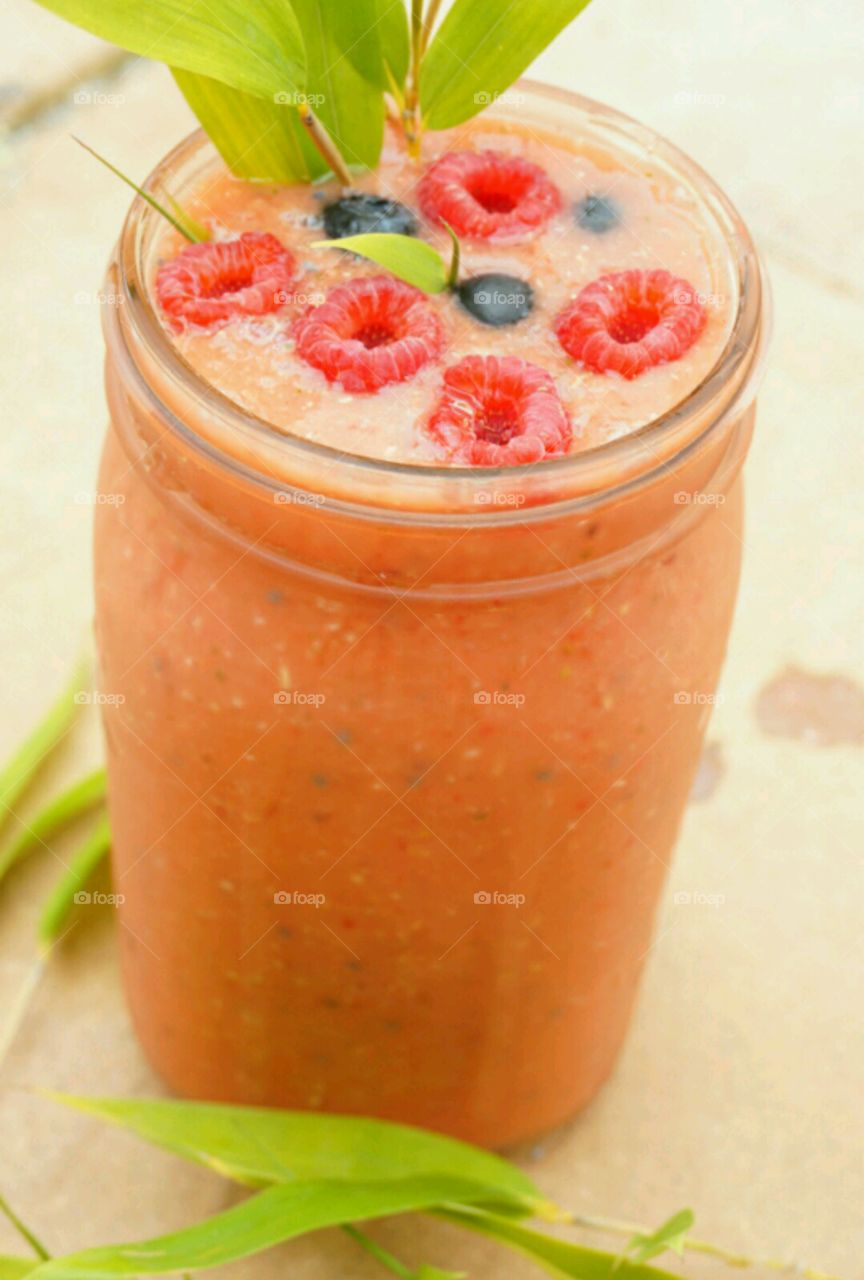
x=57 y=814
x=76 y=875
x=20 y=770
x=16 y=1268
x=187 y=226
x=377 y=1252
x=24 y=1231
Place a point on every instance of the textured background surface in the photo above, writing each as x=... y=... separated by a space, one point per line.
x=740 y=1088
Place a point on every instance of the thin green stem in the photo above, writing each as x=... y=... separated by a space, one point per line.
x=324 y=143
x=429 y=23
x=613 y=1226
x=80 y=869
x=411 y=110
x=377 y=1252
x=24 y=1232
x=70 y=804
x=186 y=226
x=19 y=771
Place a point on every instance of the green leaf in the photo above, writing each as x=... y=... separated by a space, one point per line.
x=70 y=804
x=75 y=877
x=178 y=219
x=349 y=105
x=559 y=1257
x=19 y=772
x=480 y=49
x=257 y=1146
x=254 y=45
x=412 y=260
x=280 y=1213
x=14 y=1268
x=435 y=1273
x=672 y=1235
x=375 y=39
x=258 y=138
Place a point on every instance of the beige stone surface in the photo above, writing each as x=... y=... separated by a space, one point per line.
x=739 y=1092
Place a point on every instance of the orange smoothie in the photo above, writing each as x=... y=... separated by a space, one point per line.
x=416 y=618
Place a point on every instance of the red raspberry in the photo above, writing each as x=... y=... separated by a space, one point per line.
x=209 y=283
x=497 y=411
x=369 y=332
x=630 y=321
x=488 y=195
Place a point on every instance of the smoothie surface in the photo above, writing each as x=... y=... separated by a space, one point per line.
x=657 y=223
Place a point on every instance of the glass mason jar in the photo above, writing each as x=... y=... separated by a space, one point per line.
x=400 y=752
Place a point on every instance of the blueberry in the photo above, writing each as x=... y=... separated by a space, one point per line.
x=598 y=213
x=496 y=299
x=359 y=214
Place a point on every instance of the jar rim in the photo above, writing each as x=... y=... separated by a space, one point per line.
x=737 y=370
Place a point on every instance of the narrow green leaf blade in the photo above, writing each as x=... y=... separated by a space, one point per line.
x=671 y=1235
x=254 y=45
x=15 y=1268
x=70 y=804
x=72 y=882
x=480 y=49
x=186 y=226
x=258 y=138
x=411 y=260
x=269 y=1218
x=559 y=1257
x=17 y=774
x=375 y=37
x=257 y=1145
x=349 y=105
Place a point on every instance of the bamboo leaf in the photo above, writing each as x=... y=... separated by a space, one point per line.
x=671 y=1235
x=410 y=259
x=72 y=882
x=20 y=770
x=258 y=138
x=350 y=105
x=70 y=804
x=268 y=1218
x=559 y=1257
x=257 y=1145
x=480 y=49
x=15 y=1268
x=254 y=45
x=375 y=38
